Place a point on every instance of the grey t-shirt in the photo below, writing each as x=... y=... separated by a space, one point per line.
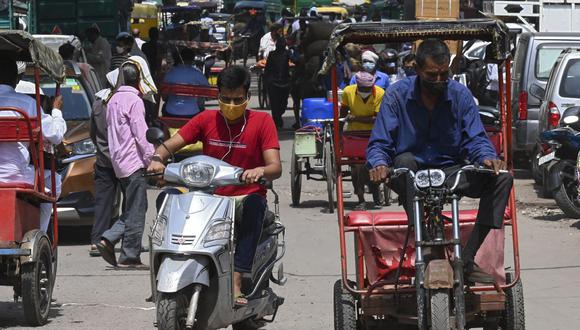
x=99 y=133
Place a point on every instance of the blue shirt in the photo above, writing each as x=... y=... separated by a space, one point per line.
x=454 y=132
x=382 y=80
x=184 y=105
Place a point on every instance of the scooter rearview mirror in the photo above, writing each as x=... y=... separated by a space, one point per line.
x=155 y=136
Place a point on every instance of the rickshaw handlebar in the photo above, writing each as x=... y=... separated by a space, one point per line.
x=467 y=168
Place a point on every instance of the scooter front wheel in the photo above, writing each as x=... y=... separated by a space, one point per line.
x=171 y=310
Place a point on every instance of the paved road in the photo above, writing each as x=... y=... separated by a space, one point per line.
x=89 y=295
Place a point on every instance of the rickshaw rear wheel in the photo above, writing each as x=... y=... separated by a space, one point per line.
x=344 y=308
x=329 y=173
x=440 y=319
x=513 y=318
x=295 y=178
x=37 y=281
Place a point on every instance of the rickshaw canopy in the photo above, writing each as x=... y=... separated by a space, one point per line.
x=21 y=46
x=179 y=9
x=205 y=4
x=259 y=5
x=491 y=30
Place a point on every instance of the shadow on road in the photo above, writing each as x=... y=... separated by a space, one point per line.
x=74 y=235
x=12 y=314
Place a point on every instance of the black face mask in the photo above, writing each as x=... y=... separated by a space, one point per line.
x=435 y=88
x=409 y=72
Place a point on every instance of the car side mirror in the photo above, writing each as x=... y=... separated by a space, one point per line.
x=155 y=136
x=537 y=92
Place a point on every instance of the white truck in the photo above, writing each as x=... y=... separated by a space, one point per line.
x=550 y=15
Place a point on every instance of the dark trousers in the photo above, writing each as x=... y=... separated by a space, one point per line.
x=130 y=225
x=106 y=187
x=493 y=191
x=278 y=101
x=248 y=232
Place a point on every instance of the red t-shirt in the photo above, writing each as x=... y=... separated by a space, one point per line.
x=259 y=134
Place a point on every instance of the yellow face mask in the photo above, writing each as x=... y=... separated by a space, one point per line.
x=233 y=111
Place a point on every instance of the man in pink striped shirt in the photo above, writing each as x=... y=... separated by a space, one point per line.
x=130 y=156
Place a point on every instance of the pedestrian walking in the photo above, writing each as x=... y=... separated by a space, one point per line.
x=130 y=155
x=277 y=75
x=98 y=52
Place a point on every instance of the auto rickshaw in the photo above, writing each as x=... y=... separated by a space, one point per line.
x=143 y=17
x=28 y=256
x=397 y=284
x=340 y=12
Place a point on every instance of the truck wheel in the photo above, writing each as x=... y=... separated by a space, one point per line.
x=171 y=310
x=36 y=280
x=566 y=199
x=344 y=308
x=513 y=318
x=440 y=319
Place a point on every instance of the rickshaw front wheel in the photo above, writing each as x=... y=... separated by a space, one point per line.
x=513 y=318
x=295 y=178
x=440 y=319
x=37 y=281
x=344 y=308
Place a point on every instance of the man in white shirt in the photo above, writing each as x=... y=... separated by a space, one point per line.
x=14 y=156
x=268 y=41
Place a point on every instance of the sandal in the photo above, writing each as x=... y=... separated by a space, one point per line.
x=107 y=252
x=360 y=207
x=241 y=300
x=94 y=252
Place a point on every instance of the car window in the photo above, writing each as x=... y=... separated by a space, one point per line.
x=570 y=86
x=545 y=59
x=76 y=103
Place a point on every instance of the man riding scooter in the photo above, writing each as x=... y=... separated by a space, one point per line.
x=431 y=121
x=243 y=138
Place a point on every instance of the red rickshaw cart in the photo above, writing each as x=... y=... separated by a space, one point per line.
x=171 y=124
x=394 y=286
x=28 y=256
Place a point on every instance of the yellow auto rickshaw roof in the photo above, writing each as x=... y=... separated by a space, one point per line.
x=142 y=10
x=337 y=10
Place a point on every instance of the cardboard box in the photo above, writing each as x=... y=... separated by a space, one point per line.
x=433 y=9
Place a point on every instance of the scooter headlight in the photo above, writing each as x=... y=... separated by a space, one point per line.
x=219 y=231
x=429 y=178
x=197 y=174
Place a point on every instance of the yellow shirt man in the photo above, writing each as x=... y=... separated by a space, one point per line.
x=358 y=107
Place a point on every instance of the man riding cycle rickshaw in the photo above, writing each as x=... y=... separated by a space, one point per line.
x=451 y=272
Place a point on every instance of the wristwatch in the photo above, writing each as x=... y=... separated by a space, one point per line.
x=157 y=157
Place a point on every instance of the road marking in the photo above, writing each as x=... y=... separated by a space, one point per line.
x=104 y=305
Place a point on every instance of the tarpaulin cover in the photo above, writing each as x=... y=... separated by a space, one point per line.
x=21 y=46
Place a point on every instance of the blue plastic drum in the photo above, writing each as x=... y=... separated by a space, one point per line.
x=315 y=108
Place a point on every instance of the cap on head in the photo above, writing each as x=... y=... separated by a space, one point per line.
x=370 y=56
x=364 y=79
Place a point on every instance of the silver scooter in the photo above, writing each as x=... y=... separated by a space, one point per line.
x=192 y=245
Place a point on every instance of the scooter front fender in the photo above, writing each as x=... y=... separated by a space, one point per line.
x=177 y=272
x=554 y=176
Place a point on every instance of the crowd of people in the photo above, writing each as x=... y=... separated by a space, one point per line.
x=404 y=101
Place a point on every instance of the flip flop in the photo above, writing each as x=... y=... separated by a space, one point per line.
x=241 y=301
x=133 y=267
x=94 y=252
x=107 y=252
